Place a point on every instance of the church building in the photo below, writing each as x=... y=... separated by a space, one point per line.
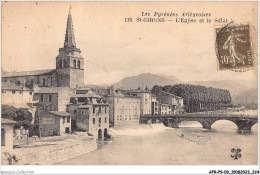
x=49 y=91
x=69 y=70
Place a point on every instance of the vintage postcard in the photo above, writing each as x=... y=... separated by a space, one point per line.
x=129 y=83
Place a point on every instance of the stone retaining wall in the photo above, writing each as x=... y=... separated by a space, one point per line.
x=58 y=154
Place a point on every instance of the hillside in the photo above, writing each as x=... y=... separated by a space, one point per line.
x=235 y=87
x=146 y=79
x=248 y=97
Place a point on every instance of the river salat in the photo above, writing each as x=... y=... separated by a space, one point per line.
x=155 y=144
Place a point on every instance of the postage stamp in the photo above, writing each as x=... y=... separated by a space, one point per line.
x=233 y=48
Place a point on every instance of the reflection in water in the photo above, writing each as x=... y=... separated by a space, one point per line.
x=102 y=142
x=193 y=124
x=188 y=145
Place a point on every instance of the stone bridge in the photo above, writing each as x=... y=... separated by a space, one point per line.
x=243 y=122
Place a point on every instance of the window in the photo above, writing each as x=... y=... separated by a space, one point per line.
x=60 y=63
x=93 y=110
x=41 y=98
x=68 y=119
x=105 y=119
x=64 y=63
x=75 y=111
x=51 y=81
x=99 y=110
x=13 y=91
x=50 y=100
x=63 y=120
x=30 y=93
x=78 y=64
x=99 y=120
x=105 y=109
x=94 y=121
x=74 y=64
x=43 y=82
x=20 y=92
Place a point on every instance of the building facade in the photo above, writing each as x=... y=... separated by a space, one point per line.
x=123 y=107
x=146 y=99
x=90 y=112
x=165 y=109
x=55 y=123
x=13 y=94
x=155 y=105
x=7 y=135
x=169 y=103
x=50 y=99
x=94 y=118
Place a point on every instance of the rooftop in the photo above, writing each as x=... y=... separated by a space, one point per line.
x=27 y=73
x=84 y=88
x=7 y=121
x=60 y=113
x=87 y=93
x=139 y=90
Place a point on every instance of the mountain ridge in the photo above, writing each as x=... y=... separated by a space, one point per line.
x=235 y=87
x=146 y=79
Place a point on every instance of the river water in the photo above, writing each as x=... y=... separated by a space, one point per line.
x=190 y=144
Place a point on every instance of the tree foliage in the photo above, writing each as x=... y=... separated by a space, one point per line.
x=198 y=98
x=21 y=115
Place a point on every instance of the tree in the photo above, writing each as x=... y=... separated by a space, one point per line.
x=21 y=115
x=198 y=98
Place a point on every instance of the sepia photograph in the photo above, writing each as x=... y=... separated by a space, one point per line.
x=129 y=83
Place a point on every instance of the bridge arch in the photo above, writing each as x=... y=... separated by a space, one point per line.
x=243 y=123
x=224 y=124
x=254 y=128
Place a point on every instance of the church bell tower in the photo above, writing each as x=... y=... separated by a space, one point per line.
x=69 y=62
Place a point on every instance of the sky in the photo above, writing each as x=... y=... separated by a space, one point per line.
x=32 y=33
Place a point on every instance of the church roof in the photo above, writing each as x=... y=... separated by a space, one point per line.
x=69 y=36
x=13 y=86
x=28 y=73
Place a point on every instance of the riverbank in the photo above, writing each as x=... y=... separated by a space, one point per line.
x=159 y=145
x=52 y=150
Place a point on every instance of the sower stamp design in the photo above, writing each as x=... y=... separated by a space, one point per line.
x=233 y=48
